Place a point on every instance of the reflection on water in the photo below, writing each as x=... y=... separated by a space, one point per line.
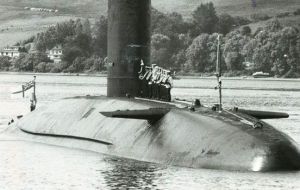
x=125 y=173
x=25 y=165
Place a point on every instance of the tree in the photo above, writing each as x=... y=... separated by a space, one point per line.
x=64 y=30
x=4 y=63
x=28 y=62
x=83 y=41
x=159 y=41
x=87 y=28
x=70 y=53
x=197 y=54
x=160 y=50
x=78 y=27
x=78 y=65
x=179 y=59
x=226 y=24
x=274 y=49
x=246 y=31
x=204 y=19
x=43 y=67
x=40 y=42
x=100 y=33
x=233 y=53
x=168 y=24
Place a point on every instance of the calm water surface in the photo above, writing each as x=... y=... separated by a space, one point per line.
x=27 y=165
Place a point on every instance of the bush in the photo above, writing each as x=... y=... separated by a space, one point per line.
x=297 y=12
x=5 y=63
x=44 y=67
x=56 y=68
x=281 y=15
x=259 y=17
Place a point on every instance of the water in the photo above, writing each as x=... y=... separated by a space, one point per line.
x=27 y=165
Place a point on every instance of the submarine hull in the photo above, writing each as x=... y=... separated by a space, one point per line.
x=196 y=139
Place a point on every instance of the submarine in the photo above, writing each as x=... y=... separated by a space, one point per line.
x=122 y=124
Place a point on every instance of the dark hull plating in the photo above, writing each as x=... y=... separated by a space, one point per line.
x=200 y=139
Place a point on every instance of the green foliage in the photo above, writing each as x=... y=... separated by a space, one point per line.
x=246 y=31
x=234 y=43
x=177 y=44
x=205 y=19
x=275 y=49
x=240 y=21
x=100 y=40
x=84 y=48
x=159 y=41
x=44 y=67
x=160 y=45
x=27 y=62
x=70 y=53
x=5 y=63
x=226 y=23
x=29 y=40
x=259 y=17
x=297 y=12
x=168 y=24
x=201 y=55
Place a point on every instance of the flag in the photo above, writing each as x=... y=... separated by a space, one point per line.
x=25 y=87
x=28 y=85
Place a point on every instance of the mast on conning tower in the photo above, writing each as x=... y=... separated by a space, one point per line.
x=219 y=73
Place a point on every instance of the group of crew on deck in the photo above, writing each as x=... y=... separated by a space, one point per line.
x=156 y=82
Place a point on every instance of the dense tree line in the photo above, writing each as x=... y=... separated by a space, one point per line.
x=84 y=48
x=190 y=46
x=187 y=46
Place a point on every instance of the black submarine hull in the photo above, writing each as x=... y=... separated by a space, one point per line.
x=198 y=139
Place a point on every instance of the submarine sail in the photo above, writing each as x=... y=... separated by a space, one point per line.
x=128 y=44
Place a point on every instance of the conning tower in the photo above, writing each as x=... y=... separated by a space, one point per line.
x=128 y=44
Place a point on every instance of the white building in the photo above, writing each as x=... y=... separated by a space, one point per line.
x=10 y=51
x=55 y=54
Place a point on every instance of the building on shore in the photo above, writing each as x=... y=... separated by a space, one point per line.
x=55 y=54
x=11 y=51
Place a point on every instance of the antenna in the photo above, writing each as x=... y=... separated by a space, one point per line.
x=219 y=73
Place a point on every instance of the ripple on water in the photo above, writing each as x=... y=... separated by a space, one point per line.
x=37 y=166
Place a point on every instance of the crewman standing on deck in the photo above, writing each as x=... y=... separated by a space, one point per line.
x=156 y=82
x=144 y=83
x=168 y=86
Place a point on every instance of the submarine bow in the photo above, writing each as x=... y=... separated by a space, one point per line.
x=154 y=131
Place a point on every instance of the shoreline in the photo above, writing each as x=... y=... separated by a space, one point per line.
x=54 y=74
x=178 y=76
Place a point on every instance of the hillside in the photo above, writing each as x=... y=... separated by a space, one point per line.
x=17 y=24
x=185 y=7
x=233 y=7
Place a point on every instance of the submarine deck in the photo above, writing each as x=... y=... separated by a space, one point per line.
x=201 y=138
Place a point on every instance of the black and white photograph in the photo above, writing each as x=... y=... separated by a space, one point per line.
x=149 y=94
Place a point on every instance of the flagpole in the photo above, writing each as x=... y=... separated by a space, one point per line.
x=219 y=73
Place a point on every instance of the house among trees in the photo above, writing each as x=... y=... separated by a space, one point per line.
x=11 y=51
x=55 y=54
